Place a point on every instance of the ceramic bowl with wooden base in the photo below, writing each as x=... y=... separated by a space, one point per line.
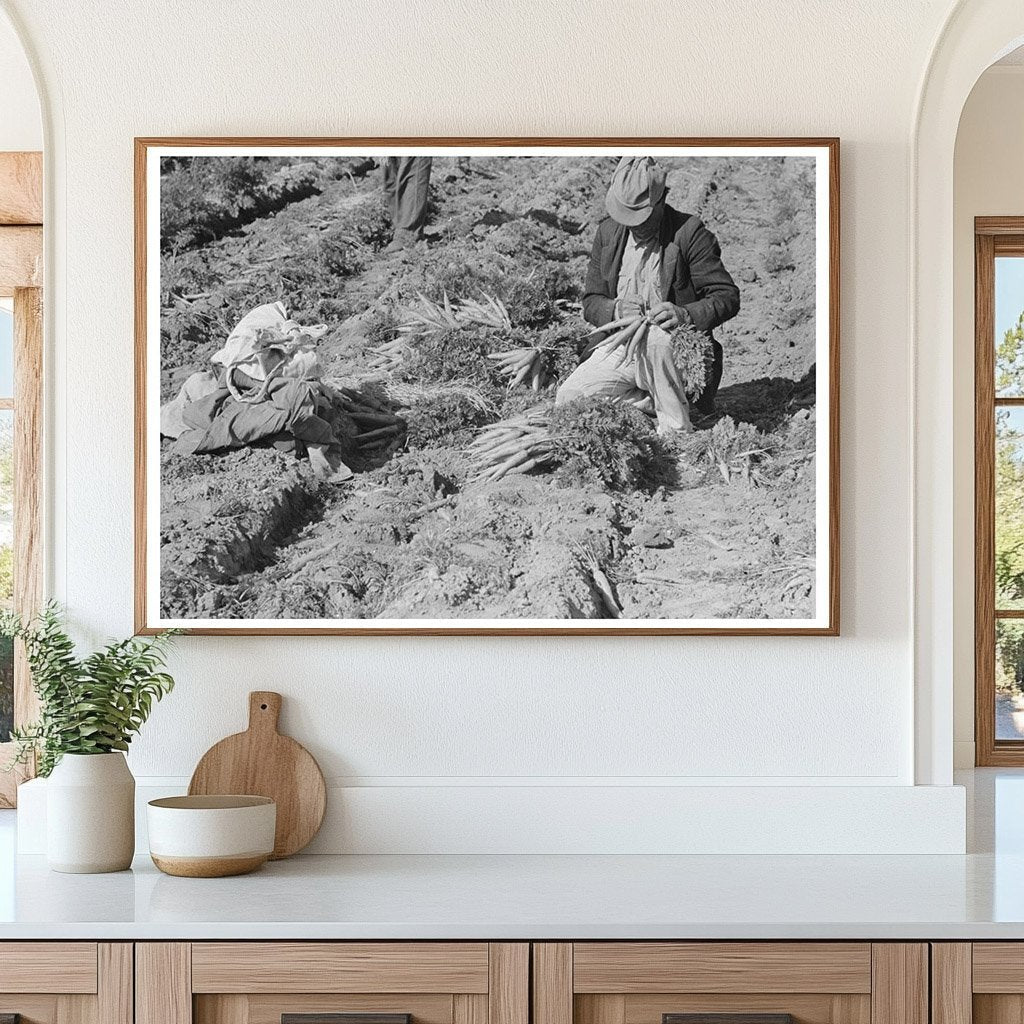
x=211 y=836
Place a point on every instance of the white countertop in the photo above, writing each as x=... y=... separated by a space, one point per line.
x=517 y=897
x=977 y=896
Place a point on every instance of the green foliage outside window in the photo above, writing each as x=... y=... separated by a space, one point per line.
x=1009 y=510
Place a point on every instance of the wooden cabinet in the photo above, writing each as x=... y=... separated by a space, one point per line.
x=66 y=982
x=752 y=982
x=978 y=983
x=309 y=982
x=494 y=983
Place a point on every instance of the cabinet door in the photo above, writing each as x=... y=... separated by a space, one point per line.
x=332 y=983
x=980 y=982
x=65 y=983
x=730 y=983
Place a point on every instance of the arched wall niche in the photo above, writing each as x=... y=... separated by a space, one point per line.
x=975 y=34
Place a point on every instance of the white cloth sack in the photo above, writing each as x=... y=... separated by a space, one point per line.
x=244 y=344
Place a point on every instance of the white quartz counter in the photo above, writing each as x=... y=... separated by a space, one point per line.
x=498 y=897
x=978 y=896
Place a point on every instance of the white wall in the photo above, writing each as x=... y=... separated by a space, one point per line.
x=465 y=711
x=987 y=181
x=21 y=126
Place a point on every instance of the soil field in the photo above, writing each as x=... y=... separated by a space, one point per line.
x=725 y=526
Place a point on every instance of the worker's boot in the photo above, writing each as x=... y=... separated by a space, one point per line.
x=404 y=239
x=328 y=464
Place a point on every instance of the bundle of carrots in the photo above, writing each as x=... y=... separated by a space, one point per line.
x=430 y=317
x=628 y=333
x=488 y=312
x=389 y=356
x=378 y=427
x=513 y=446
x=521 y=365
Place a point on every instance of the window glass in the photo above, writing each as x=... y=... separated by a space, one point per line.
x=1009 y=679
x=6 y=353
x=6 y=567
x=1009 y=511
x=1009 y=327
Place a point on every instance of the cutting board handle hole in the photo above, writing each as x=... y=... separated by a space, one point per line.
x=263 y=707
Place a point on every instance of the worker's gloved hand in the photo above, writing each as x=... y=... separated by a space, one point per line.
x=668 y=316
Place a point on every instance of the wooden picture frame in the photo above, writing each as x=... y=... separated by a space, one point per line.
x=826 y=574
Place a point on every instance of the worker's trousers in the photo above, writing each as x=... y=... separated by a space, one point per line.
x=651 y=373
x=406 y=181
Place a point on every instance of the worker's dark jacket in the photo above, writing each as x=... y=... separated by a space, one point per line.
x=289 y=413
x=692 y=276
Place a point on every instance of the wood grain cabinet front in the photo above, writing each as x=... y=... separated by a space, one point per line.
x=493 y=983
x=730 y=983
x=332 y=983
x=978 y=983
x=66 y=982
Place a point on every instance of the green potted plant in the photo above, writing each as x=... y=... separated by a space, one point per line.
x=90 y=708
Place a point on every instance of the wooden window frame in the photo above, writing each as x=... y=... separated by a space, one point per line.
x=993 y=237
x=21 y=278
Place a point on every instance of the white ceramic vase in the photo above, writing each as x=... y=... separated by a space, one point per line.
x=90 y=814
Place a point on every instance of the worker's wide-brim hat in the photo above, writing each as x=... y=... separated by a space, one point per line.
x=637 y=187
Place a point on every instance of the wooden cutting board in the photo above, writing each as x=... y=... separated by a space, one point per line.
x=262 y=762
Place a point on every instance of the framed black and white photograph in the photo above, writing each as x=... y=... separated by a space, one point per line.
x=529 y=386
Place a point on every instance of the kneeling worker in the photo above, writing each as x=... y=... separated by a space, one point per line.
x=651 y=259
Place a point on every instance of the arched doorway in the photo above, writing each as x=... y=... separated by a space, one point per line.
x=975 y=35
x=987 y=674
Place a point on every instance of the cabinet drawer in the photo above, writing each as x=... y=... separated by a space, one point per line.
x=998 y=967
x=634 y=967
x=332 y=983
x=66 y=982
x=65 y=967
x=730 y=983
x=340 y=967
